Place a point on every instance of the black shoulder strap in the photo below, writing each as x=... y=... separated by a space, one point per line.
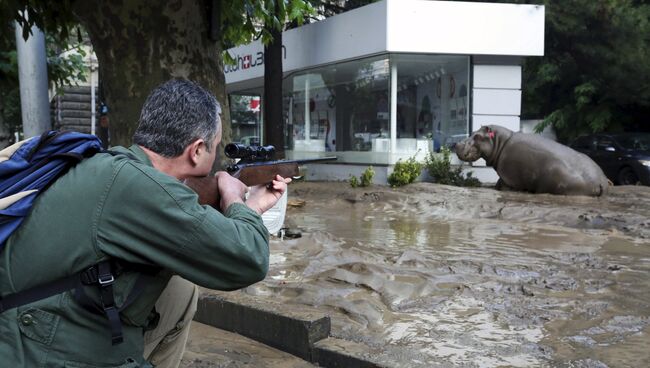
x=101 y=275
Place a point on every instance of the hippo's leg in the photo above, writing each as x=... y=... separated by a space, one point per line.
x=501 y=185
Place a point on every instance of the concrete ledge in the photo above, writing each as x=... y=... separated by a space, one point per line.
x=210 y=347
x=297 y=330
x=337 y=353
x=293 y=331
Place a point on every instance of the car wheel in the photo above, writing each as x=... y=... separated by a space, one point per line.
x=627 y=176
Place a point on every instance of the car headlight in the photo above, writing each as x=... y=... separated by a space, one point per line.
x=644 y=162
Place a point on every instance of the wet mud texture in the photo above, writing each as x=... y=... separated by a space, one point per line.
x=438 y=276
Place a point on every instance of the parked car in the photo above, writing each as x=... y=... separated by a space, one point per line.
x=624 y=158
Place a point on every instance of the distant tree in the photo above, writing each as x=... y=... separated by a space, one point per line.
x=328 y=8
x=64 y=65
x=140 y=44
x=595 y=74
x=280 y=13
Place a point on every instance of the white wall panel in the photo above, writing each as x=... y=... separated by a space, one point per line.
x=456 y=27
x=511 y=122
x=497 y=76
x=496 y=102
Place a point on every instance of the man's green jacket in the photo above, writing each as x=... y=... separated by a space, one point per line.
x=112 y=206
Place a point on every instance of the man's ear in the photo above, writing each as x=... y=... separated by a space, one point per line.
x=195 y=150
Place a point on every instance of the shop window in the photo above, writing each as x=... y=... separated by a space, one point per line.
x=432 y=101
x=246 y=118
x=343 y=107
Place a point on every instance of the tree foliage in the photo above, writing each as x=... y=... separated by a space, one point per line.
x=65 y=64
x=244 y=21
x=595 y=74
x=167 y=39
x=64 y=53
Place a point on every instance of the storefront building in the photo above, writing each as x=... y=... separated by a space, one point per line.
x=390 y=80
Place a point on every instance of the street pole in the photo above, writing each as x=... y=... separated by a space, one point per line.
x=32 y=75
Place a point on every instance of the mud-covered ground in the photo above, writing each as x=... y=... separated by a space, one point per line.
x=430 y=275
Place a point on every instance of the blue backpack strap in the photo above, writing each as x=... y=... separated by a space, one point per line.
x=35 y=165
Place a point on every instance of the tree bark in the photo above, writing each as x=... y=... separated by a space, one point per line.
x=140 y=44
x=273 y=119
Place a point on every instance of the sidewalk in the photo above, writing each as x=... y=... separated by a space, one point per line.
x=209 y=347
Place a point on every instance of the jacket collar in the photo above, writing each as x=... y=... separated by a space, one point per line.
x=140 y=155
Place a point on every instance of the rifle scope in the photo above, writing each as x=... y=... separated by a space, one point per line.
x=249 y=153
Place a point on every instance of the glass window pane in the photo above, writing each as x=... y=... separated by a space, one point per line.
x=432 y=101
x=342 y=107
x=245 y=116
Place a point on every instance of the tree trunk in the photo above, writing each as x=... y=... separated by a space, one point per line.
x=273 y=120
x=140 y=44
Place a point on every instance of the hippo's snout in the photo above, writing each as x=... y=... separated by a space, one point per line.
x=466 y=150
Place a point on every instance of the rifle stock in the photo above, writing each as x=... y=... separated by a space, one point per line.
x=207 y=189
x=255 y=173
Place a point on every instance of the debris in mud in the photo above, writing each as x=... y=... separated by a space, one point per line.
x=296 y=203
x=365 y=197
x=526 y=291
x=289 y=233
x=587 y=363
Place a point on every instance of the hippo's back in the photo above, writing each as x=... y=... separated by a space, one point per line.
x=562 y=170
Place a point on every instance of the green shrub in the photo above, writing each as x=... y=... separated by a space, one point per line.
x=354 y=182
x=405 y=172
x=366 y=177
x=442 y=173
x=365 y=180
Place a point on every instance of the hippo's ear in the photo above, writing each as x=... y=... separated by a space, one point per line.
x=489 y=132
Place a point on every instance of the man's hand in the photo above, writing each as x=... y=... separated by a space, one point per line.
x=263 y=197
x=231 y=190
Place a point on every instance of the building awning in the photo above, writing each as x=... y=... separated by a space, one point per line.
x=400 y=26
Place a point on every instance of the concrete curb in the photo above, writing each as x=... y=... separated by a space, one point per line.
x=300 y=332
x=337 y=353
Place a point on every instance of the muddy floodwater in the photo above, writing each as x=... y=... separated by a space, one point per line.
x=430 y=275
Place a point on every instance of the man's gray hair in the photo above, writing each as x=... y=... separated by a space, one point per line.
x=175 y=114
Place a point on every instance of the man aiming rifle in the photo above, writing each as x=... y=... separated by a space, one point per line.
x=132 y=239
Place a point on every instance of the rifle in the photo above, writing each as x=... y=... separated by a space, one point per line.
x=255 y=166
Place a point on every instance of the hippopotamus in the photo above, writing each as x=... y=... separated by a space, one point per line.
x=532 y=163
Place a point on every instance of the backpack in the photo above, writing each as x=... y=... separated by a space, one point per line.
x=28 y=167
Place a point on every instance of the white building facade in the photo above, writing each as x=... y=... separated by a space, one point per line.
x=390 y=80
